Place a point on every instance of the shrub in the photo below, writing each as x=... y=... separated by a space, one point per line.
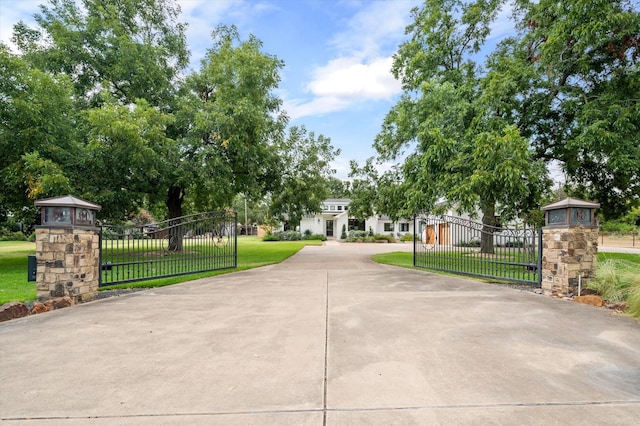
x=475 y=242
x=369 y=239
x=616 y=280
x=13 y=236
x=307 y=232
x=616 y=226
x=271 y=237
x=380 y=237
x=406 y=237
x=311 y=236
x=357 y=234
x=343 y=235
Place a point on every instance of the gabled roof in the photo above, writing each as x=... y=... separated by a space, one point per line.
x=571 y=202
x=67 y=201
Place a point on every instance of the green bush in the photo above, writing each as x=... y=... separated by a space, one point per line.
x=406 y=237
x=380 y=237
x=311 y=236
x=290 y=236
x=470 y=243
x=617 y=226
x=13 y=236
x=343 y=235
x=617 y=280
x=271 y=237
x=357 y=234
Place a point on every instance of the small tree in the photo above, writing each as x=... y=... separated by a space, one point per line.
x=343 y=235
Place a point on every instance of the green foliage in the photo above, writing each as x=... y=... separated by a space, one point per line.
x=6 y=235
x=617 y=226
x=579 y=106
x=455 y=119
x=305 y=168
x=384 y=237
x=406 y=237
x=14 y=286
x=293 y=236
x=343 y=234
x=615 y=280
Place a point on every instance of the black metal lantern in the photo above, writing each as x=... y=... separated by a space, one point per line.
x=67 y=212
x=570 y=212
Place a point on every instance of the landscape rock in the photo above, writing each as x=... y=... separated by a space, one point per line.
x=62 y=302
x=12 y=310
x=620 y=306
x=590 y=300
x=39 y=308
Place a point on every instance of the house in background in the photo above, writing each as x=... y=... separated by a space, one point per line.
x=335 y=215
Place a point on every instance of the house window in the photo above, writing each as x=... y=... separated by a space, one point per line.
x=339 y=208
x=388 y=227
x=346 y=208
x=356 y=225
x=332 y=208
x=404 y=227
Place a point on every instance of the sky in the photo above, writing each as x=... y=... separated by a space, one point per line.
x=337 y=53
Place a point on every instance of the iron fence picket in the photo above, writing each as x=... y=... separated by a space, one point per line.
x=186 y=245
x=453 y=244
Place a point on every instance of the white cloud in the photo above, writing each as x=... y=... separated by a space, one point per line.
x=361 y=69
x=343 y=82
x=378 y=25
x=13 y=11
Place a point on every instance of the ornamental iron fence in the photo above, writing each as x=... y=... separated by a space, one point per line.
x=462 y=246
x=185 y=245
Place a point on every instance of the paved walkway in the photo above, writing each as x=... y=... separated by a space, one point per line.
x=327 y=337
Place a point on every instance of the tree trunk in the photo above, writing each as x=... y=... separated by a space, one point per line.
x=488 y=226
x=175 y=197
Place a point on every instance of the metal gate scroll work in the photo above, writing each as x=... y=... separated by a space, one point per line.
x=190 y=244
x=462 y=246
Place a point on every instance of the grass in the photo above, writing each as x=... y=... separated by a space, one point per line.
x=499 y=265
x=14 y=286
x=252 y=253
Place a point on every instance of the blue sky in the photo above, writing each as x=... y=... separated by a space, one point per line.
x=337 y=53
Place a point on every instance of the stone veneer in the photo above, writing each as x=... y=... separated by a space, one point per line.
x=68 y=263
x=568 y=253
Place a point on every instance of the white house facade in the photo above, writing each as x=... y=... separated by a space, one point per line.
x=335 y=215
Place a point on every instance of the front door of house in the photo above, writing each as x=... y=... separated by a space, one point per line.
x=329 y=228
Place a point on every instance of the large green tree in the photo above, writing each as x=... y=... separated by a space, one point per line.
x=579 y=96
x=39 y=150
x=453 y=124
x=121 y=59
x=305 y=170
x=132 y=49
x=229 y=125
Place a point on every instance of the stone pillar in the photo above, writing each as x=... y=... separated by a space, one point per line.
x=68 y=263
x=569 y=245
x=67 y=249
x=568 y=254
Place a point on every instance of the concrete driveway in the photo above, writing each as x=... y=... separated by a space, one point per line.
x=327 y=337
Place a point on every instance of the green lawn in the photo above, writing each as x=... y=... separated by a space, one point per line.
x=252 y=253
x=14 y=286
x=405 y=259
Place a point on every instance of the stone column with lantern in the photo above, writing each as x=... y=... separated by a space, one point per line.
x=569 y=245
x=67 y=249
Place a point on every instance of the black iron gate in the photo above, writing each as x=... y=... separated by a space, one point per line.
x=462 y=246
x=185 y=245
